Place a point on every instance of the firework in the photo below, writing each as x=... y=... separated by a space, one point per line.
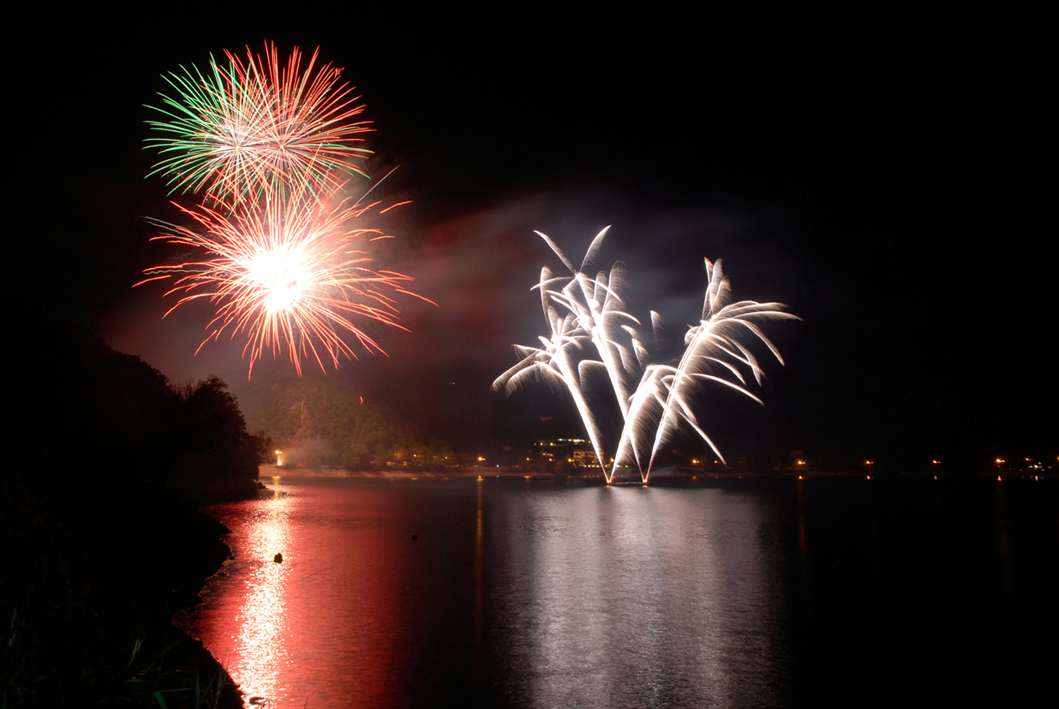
x=714 y=354
x=556 y=362
x=663 y=399
x=600 y=313
x=268 y=146
x=290 y=272
x=253 y=124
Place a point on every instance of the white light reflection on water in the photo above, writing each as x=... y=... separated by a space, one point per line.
x=639 y=597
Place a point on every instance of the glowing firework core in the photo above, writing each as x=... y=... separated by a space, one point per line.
x=278 y=275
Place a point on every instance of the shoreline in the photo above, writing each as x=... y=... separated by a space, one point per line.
x=229 y=695
x=268 y=473
x=99 y=573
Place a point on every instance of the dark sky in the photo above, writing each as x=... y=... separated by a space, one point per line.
x=886 y=176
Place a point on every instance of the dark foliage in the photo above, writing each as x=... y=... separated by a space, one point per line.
x=103 y=542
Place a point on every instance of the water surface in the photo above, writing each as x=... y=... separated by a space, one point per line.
x=521 y=593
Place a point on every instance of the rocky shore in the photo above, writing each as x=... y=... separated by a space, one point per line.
x=91 y=583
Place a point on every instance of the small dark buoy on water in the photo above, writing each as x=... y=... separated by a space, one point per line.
x=415 y=537
x=278 y=558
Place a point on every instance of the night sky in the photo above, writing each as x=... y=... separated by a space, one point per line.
x=886 y=176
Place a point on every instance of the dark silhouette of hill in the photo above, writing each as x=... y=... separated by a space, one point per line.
x=103 y=543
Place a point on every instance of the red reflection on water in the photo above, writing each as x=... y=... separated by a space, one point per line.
x=328 y=625
x=261 y=623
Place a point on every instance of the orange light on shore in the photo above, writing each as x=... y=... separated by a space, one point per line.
x=279 y=459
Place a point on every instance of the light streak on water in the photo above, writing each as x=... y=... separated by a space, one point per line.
x=638 y=596
x=259 y=645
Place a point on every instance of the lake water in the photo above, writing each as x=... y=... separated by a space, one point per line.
x=515 y=593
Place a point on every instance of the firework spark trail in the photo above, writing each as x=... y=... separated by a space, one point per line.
x=253 y=125
x=711 y=345
x=595 y=313
x=663 y=399
x=288 y=274
x=600 y=312
x=553 y=363
x=645 y=408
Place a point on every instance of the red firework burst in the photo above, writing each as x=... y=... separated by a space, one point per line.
x=291 y=272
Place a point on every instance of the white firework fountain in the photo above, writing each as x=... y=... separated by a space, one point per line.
x=587 y=316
